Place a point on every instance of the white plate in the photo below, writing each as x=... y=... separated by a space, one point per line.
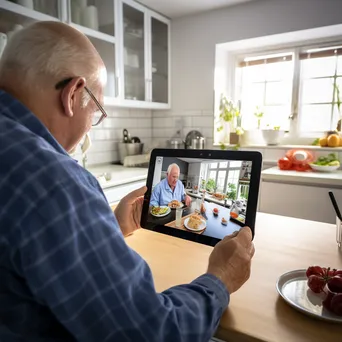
x=201 y=227
x=292 y=286
x=165 y=214
x=322 y=168
x=181 y=206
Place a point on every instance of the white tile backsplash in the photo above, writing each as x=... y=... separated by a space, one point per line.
x=105 y=137
x=166 y=123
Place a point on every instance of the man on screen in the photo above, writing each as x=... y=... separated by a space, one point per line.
x=169 y=189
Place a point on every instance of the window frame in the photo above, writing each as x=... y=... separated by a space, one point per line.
x=225 y=62
x=297 y=84
x=226 y=169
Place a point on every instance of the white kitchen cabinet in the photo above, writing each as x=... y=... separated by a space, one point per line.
x=310 y=202
x=133 y=41
x=145 y=37
x=116 y=193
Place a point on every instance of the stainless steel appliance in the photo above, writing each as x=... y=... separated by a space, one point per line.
x=129 y=146
x=194 y=140
x=129 y=149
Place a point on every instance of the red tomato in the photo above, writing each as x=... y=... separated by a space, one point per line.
x=284 y=163
x=302 y=167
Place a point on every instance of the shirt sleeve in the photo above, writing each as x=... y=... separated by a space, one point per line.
x=183 y=191
x=75 y=261
x=155 y=196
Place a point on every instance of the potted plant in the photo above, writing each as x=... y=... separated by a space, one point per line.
x=230 y=121
x=231 y=191
x=211 y=185
x=254 y=136
x=272 y=136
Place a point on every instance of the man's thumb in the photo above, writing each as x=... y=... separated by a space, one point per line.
x=132 y=196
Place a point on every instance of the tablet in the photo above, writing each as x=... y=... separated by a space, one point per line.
x=201 y=195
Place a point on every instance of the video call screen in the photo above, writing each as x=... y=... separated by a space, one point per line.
x=202 y=196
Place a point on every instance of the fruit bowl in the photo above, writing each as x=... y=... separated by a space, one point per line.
x=324 y=168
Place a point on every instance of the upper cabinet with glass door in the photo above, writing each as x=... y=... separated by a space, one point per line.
x=97 y=20
x=134 y=39
x=145 y=63
x=14 y=15
x=159 y=60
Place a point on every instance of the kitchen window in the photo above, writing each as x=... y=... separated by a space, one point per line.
x=223 y=173
x=295 y=88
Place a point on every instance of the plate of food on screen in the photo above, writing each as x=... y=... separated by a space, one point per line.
x=175 y=204
x=195 y=223
x=160 y=211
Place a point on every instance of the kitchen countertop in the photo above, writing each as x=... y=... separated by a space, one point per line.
x=256 y=312
x=119 y=174
x=313 y=178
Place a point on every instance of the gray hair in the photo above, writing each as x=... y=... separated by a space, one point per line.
x=171 y=166
x=39 y=52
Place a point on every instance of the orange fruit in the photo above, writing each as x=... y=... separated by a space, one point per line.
x=323 y=142
x=333 y=140
x=341 y=140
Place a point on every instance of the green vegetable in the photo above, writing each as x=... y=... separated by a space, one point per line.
x=334 y=163
x=329 y=160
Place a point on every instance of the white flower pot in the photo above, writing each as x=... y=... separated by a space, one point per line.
x=272 y=137
x=252 y=137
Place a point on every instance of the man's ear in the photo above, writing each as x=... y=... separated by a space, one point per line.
x=71 y=94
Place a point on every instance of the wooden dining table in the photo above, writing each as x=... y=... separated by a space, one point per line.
x=256 y=312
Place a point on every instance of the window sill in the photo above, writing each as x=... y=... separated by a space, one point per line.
x=287 y=147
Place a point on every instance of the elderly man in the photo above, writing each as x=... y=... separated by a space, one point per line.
x=66 y=272
x=170 y=189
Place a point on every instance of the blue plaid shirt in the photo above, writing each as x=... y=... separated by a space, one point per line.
x=66 y=273
x=162 y=193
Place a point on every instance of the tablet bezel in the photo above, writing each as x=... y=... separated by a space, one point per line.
x=254 y=157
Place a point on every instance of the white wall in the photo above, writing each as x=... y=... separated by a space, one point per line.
x=106 y=136
x=193 y=42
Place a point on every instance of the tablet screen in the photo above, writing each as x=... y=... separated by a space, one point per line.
x=202 y=196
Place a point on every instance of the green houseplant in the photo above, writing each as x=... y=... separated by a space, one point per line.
x=230 y=121
x=211 y=185
x=231 y=191
x=259 y=114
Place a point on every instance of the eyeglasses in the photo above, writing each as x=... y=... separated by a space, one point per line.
x=62 y=84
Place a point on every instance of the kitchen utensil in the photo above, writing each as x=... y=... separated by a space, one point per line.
x=176 y=144
x=191 y=136
x=126 y=137
x=292 y=287
x=335 y=205
x=135 y=140
x=339 y=232
x=129 y=149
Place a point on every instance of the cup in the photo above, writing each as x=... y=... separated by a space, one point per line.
x=339 y=232
x=90 y=17
x=179 y=213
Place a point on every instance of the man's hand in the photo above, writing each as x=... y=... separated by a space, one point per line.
x=187 y=200
x=128 y=211
x=230 y=260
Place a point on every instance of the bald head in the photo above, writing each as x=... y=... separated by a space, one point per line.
x=44 y=55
